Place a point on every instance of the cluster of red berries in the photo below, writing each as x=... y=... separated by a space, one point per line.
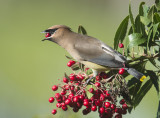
x=75 y=94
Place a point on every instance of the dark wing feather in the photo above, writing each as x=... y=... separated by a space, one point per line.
x=91 y=49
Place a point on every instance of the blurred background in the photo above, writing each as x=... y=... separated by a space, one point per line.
x=29 y=67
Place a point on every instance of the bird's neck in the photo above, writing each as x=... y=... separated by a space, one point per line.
x=66 y=41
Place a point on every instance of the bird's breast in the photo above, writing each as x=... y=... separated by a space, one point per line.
x=95 y=66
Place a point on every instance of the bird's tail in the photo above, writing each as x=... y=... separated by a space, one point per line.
x=136 y=74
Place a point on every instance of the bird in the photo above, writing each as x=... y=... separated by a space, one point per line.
x=89 y=51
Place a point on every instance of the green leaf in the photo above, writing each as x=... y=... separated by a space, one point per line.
x=141 y=9
x=81 y=30
x=154 y=63
x=130 y=31
x=138 y=24
x=149 y=38
x=145 y=10
x=155 y=28
x=151 y=12
x=134 y=86
x=157 y=4
x=158 y=111
x=142 y=92
x=126 y=49
x=68 y=57
x=121 y=32
x=140 y=28
x=154 y=79
x=145 y=20
x=81 y=66
x=75 y=67
x=89 y=71
x=136 y=39
x=131 y=18
x=156 y=18
x=66 y=76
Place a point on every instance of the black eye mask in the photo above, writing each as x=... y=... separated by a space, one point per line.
x=51 y=31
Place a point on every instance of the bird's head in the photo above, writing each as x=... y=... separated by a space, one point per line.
x=55 y=32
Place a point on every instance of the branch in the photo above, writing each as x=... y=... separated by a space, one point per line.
x=142 y=58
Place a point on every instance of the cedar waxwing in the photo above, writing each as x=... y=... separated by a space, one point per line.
x=89 y=51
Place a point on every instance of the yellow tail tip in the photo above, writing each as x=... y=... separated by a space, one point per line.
x=142 y=78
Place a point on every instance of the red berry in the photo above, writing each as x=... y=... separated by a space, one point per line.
x=108 y=111
x=63 y=104
x=107 y=104
x=71 y=96
x=94 y=108
x=86 y=100
x=75 y=109
x=91 y=90
x=86 y=69
x=117 y=110
x=121 y=71
x=98 y=78
x=54 y=111
x=71 y=81
x=79 y=104
x=59 y=100
x=65 y=80
x=76 y=99
x=102 y=97
x=67 y=87
x=72 y=77
x=85 y=111
x=121 y=45
x=47 y=35
x=101 y=110
x=54 y=87
x=63 y=92
x=81 y=97
x=98 y=102
x=67 y=101
x=86 y=103
x=113 y=106
x=107 y=94
x=58 y=105
x=70 y=63
x=124 y=111
x=51 y=99
x=124 y=106
x=103 y=75
x=97 y=84
x=118 y=116
x=122 y=101
x=64 y=98
x=72 y=88
x=65 y=108
x=80 y=77
x=57 y=96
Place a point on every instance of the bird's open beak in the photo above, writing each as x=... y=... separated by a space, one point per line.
x=48 y=38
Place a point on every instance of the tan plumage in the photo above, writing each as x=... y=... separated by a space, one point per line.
x=87 y=50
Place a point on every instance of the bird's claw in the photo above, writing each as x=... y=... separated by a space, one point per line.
x=88 y=80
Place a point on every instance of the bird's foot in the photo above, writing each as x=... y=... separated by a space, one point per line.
x=89 y=80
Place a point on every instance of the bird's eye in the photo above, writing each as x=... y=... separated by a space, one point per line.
x=49 y=32
x=47 y=35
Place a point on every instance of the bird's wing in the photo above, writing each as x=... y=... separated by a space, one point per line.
x=93 y=50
